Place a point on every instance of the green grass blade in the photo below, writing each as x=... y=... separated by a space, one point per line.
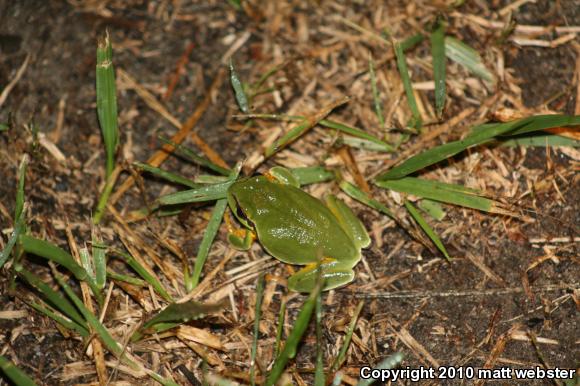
x=479 y=135
x=351 y=327
x=16 y=375
x=364 y=198
x=355 y=132
x=168 y=176
x=416 y=122
x=107 y=100
x=178 y=313
x=258 y=313
x=66 y=323
x=412 y=41
x=19 y=220
x=467 y=57
x=432 y=208
x=86 y=262
x=312 y=174
x=203 y=193
x=104 y=198
x=280 y=329
x=365 y=144
x=426 y=228
x=541 y=140
x=302 y=127
x=438 y=54
x=239 y=92
x=126 y=278
x=53 y=253
x=543 y=122
x=289 y=350
x=109 y=342
x=189 y=154
x=376 y=96
x=99 y=262
x=328 y=123
x=54 y=298
x=211 y=230
x=19 y=205
x=145 y=275
x=386 y=364
x=438 y=191
x=319 y=377
x=19 y=229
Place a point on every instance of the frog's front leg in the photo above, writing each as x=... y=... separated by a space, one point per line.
x=334 y=275
x=239 y=238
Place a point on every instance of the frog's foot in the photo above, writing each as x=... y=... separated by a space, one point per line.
x=333 y=275
x=239 y=238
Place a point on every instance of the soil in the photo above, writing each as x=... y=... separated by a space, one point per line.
x=474 y=311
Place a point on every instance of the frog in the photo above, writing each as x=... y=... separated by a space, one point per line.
x=297 y=228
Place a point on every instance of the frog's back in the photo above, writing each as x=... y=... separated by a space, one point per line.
x=291 y=224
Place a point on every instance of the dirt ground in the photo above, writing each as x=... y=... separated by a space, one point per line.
x=474 y=311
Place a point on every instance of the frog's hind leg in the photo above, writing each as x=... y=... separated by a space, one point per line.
x=333 y=275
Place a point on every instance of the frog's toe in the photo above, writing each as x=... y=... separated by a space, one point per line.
x=305 y=279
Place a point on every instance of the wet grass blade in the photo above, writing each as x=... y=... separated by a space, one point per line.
x=467 y=57
x=257 y=313
x=211 y=230
x=203 y=193
x=416 y=122
x=376 y=96
x=53 y=253
x=16 y=375
x=177 y=313
x=479 y=135
x=364 y=198
x=319 y=377
x=386 y=364
x=164 y=174
x=351 y=327
x=189 y=154
x=426 y=228
x=442 y=192
x=438 y=54
x=239 y=92
x=289 y=350
x=145 y=275
x=107 y=100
